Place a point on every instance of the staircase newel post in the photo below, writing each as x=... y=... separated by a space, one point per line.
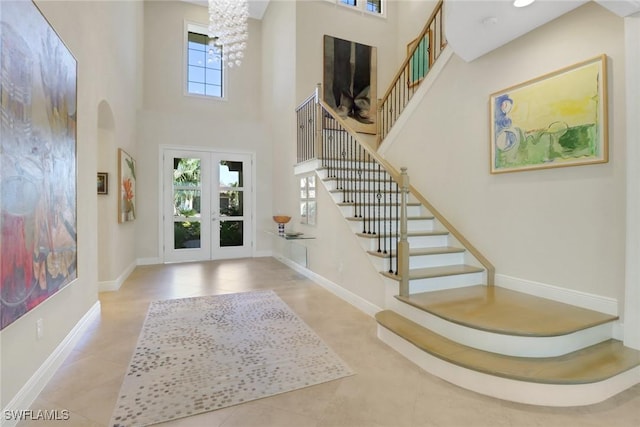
x=318 y=121
x=403 y=243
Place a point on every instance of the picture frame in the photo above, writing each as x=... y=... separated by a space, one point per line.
x=127 y=183
x=103 y=183
x=556 y=120
x=421 y=60
x=38 y=175
x=350 y=82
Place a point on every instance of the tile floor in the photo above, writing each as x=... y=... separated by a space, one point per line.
x=387 y=390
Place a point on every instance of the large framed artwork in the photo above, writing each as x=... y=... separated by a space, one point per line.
x=127 y=180
x=38 y=162
x=559 y=119
x=350 y=80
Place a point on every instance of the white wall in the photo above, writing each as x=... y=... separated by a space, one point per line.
x=169 y=117
x=299 y=27
x=561 y=227
x=103 y=36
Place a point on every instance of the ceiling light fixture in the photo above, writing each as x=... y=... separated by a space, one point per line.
x=522 y=3
x=228 y=29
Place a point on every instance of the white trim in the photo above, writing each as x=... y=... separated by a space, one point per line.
x=32 y=388
x=149 y=261
x=199 y=28
x=163 y=148
x=348 y=296
x=568 y=296
x=262 y=254
x=632 y=269
x=413 y=104
x=558 y=395
x=114 y=285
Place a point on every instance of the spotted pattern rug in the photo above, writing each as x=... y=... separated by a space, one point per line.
x=200 y=354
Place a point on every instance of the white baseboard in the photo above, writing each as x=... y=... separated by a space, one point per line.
x=114 y=285
x=30 y=391
x=555 y=293
x=262 y=254
x=148 y=261
x=348 y=296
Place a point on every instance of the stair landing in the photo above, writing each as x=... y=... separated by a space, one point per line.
x=502 y=311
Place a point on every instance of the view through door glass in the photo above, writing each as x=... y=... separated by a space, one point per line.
x=231 y=203
x=187 y=197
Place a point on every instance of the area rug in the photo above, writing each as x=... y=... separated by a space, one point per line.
x=205 y=353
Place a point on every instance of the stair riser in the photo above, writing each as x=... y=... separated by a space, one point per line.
x=371 y=243
x=349 y=211
x=369 y=187
x=342 y=173
x=412 y=225
x=446 y=282
x=422 y=261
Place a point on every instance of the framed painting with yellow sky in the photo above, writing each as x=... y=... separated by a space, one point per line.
x=556 y=120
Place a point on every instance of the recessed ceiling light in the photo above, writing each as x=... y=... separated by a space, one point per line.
x=522 y=3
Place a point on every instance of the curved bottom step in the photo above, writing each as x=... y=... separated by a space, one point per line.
x=583 y=377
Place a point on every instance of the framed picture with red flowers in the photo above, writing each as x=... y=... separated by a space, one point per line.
x=127 y=183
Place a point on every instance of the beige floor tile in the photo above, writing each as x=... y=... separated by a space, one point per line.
x=386 y=390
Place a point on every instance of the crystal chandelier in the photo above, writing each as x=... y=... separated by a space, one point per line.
x=228 y=29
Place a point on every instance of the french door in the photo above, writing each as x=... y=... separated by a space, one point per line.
x=207 y=209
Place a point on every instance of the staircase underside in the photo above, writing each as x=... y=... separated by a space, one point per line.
x=499 y=310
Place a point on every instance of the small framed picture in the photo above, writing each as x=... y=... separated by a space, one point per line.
x=103 y=183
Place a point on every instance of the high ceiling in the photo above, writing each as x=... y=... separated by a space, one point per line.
x=476 y=27
x=256 y=7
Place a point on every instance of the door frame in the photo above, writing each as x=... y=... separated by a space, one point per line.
x=161 y=190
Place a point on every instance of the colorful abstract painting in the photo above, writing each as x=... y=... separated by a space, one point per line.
x=38 y=171
x=127 y=178
x=559 y=119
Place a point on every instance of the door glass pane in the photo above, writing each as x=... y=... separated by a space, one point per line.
x=186 y=187
x=186 y=203
x=186 y=235
x=231 y=174
x=231 y=203
x=231 y=233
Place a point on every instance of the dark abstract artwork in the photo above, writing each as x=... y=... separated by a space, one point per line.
x=38 y=252
x=350 y=76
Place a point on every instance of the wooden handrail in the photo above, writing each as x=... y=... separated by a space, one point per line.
x=397 y=177
x=373 y=153
x=458 y=235
x=423 y=33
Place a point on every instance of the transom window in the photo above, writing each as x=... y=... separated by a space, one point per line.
x=373 y=6
x=205 y=68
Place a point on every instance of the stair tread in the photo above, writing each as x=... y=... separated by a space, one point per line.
x=409 y=234
x=437 y=250
x=375 y=204
x=409 y=218
x=500 y=310
x=432 y=272
x=591 y=364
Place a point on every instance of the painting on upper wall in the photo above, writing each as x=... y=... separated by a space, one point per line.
x=350 y=77
x=38 y=252
x=559 y=119
x=127 y=180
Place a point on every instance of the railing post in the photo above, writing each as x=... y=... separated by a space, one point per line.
x=318 y=120
x=379 y=136
x=403 y=243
